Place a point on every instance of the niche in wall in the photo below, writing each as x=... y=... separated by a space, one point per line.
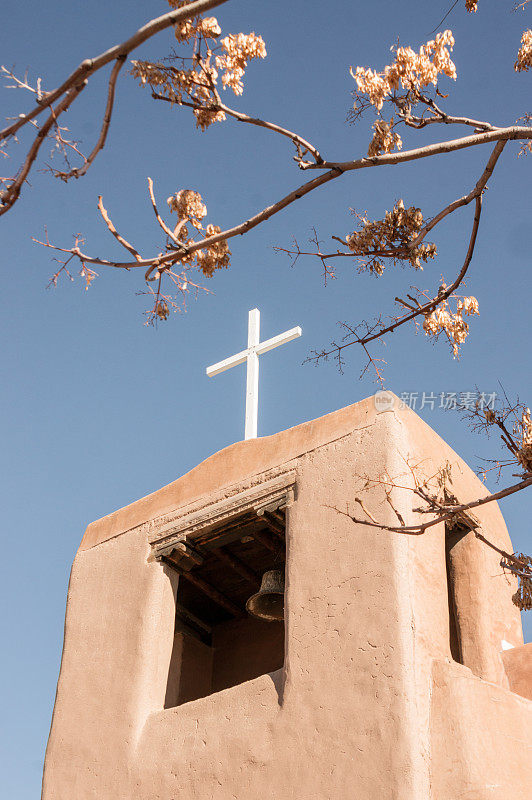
x=455 y=566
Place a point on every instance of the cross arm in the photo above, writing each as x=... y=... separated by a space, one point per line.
x=227 y=363
x=275 y=341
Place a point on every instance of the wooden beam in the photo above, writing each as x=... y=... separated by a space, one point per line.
x=274 y=525
x=188 y=551
x=235 y=563
x=234 y=529
x=206 y=588
x=183 y=626
x=280 y=517
x=265 y=539
x=184 y=612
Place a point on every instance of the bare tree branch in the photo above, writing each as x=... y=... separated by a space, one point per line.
x=75 y=84
x=91 y=65
x=173 y=256
x=100 y=144
x=446 y=119
x=510 y=133
x=397 y=252
x=115 y=233
x=438 y=115
x=382 y=330
x=443 y=507
x=10 y=195
x=298 y=140
x=463 y=201
x=444 y=295
x=417 y=530
x=158 y=217
x=379 y=330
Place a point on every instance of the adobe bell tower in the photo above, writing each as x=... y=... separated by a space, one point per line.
x=398 y=673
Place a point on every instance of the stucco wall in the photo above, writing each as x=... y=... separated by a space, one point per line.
x=357 y=710
x=245 y=649
x=481 y=738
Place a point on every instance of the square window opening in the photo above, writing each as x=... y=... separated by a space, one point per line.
x=217 y=643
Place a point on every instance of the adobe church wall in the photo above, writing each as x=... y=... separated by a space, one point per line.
x=229 y=467
x=366 y=616
x=245 y=649
x=479 y=731
x=189 y=672
x=518 y=666
x=486 y=615
x=338 y=727
x=113 y=669
x=480 y=736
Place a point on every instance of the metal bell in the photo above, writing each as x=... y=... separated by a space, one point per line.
x=268 y=602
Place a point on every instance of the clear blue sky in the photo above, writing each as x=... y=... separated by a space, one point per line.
x=99 y=410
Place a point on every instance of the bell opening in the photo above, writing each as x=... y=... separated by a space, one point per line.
x=223 y=636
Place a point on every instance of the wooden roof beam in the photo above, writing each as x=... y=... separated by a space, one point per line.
x=237 y=565
x=274 y=525
x=206 y=588
x=266 y=539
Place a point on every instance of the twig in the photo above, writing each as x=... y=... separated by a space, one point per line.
x=9 y=196
x=115 y=233
x=397 y=514
x=417 y=530
x=91 y=65
x=462 y=201
x=365 y=510
x=272 y=126
x=241 y=117
x=100 y=144
x=444 y=17
x=158 y=217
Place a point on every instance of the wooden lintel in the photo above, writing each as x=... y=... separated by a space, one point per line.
x=235 y=563
x=211 y=538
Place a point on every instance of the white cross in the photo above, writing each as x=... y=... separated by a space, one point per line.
x=251 y=356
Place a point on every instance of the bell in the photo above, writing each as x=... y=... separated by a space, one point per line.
x=268 y=602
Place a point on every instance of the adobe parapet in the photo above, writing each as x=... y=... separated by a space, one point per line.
x=399 y=672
